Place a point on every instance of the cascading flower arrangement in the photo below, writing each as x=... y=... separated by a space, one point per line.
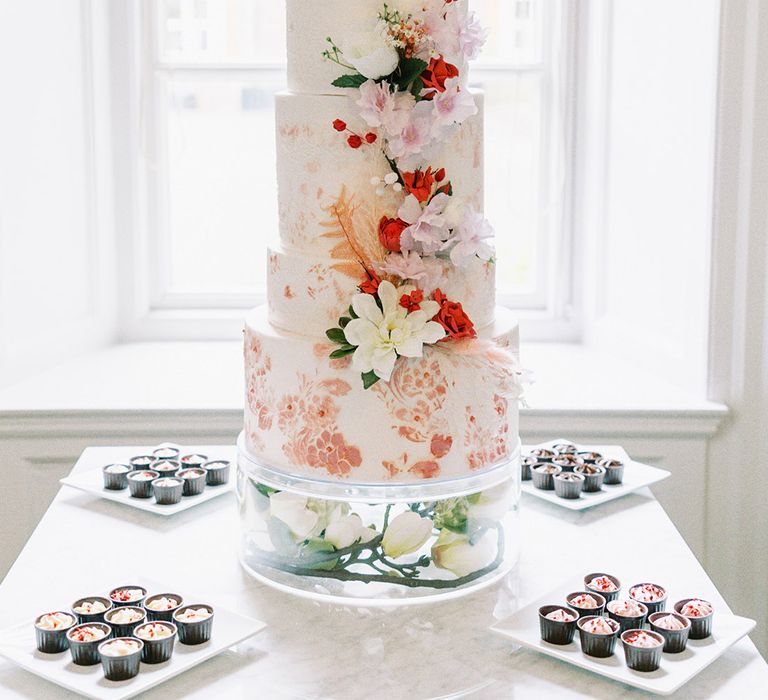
x=409 y=95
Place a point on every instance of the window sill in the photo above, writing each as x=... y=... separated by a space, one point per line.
x=202 y=381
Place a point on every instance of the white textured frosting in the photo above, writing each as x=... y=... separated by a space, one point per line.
x=153 y=630
x=162 y=603
x=125 y=616
x=194 y=615
x=55 y=621
x=90 y=607
x=119 y=647
x=310 y=22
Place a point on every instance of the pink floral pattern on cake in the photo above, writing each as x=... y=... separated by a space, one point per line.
x=259 y=395
x=487 y=444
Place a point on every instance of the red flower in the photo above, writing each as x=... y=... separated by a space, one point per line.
x=419 y=184
x=453 y=318
x=390 y=231
x=355 y=141
x=370 y=284
x=411 y=301
x=440 y=175
x=435 y=75
x=370 y=137
x=339 y=125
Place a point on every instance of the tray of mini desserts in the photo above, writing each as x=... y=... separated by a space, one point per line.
x=123 y=642
x=165 y=480
x=581 y=476
x=645 y=637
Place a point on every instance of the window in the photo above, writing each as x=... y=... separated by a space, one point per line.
x=210 y=69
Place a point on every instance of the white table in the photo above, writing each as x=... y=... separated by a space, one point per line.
x=312 y=650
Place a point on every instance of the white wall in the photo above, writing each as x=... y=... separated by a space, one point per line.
x=55 y=189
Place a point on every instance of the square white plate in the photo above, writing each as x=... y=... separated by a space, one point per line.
x=676 y=669
x=636 y=476
x=17 y=645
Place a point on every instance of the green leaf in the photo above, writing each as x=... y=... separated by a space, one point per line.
x=350 y=81
x=410 y=69
x=336 y=335
x=342 y=352
x=369 y=379
x=352 y=312
x=344 y=320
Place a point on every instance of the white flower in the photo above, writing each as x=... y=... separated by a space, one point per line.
x=381 y=334
x=469 y=239
x=428 y=228
x=380 y=107
x=491 y=504
x=452 y=106
x=292 y=509
x=455 y=552
x=472 y=36
x=348 y=530
x=405 y=534
x=371 y=53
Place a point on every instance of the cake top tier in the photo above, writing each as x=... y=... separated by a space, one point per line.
x=370 y=37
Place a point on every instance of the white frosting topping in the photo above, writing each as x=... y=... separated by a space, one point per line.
x=194 y=614
x=55 y=621
x=626 y=608
x=117 y=469
x=585 y=601
x=669 y=622
x=165 y=452
x=639 y=638
x=696 y=608
x=599 y=625
x=125 y=616
x=153 y=630
x=128 y=594
x=192 y=473
x=143 y=476
x=87 y=634
x=647 y=593
x=603 y=583
x=167 y=482
x=90 y=607
x=120 y=647
x=561 y=615
x=162 y=603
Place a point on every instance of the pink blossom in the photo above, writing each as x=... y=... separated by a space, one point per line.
x=426 y=273
x=472 y=36
x=452 y=106
x=416 y=136
x=469 y=239
x=428 y=227
x=380 y=107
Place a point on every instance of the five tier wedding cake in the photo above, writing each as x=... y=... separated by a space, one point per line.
x=381 y=355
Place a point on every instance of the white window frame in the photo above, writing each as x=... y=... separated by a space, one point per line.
x=148 y=311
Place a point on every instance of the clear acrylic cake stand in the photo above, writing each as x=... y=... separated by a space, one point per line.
x=472 y=542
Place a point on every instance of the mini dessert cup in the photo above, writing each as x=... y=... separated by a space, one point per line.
x=579 y=601
x=128 y=595
x=141 y=462
x=567 y=462
x=166 y=452
x=565 y=448
x=701 y=624
x=675 y=640
x=218 y=472
x=618 y=611
x=525 y=467
x=121 y=658
x=543 y=475
x=158 y=646
x=87 y=609
x=51 y=631
x=642 y=649
x=194 y=480
x=598 y=643
x=557 y=631
x=168 y=490
x=193 y=460
x=161 y=606
x=116 y=476
x=140 y=482
x=589 y=457
x=125 y=619
x=166 y=467
x=593 y=476
x=614 y=471
x=542 y=454
x=85 y=650
x=568 y=484
x=606 y=585
x=195 y=623
x=653 y=596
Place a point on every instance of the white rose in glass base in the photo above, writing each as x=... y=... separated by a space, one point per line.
x=491 y=505
x=371 y=53
x=407 y=533
x=292 y=510
x=348 y=530
x=455 y=552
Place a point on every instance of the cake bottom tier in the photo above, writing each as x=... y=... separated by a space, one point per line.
x=445 y=415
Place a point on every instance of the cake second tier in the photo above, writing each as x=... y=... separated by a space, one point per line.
x=444 y=415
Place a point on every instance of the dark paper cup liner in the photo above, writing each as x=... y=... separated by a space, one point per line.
x=53 y=641
x=525 y=468
x=87 y=653
x=592 y=482
x=137 y=603
x=194 y=484
x=675 y=641
x=121 y=668
x=125 y=630
x=568 y=489
x=599 y=645
x=587 y=612
x=165 y=615
x=553 y=631
x=608 y=595
x=158 y=651
x=628 y=623
x=167 y=495
x=91 y=617
x=642 y=659
x=142 y=488
x=141 y=462
x=655 y=606
x=701 y=627
x=217 y=472
x=542 y=480
x=614 y=475
x=115 y=482
x=194 y=632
